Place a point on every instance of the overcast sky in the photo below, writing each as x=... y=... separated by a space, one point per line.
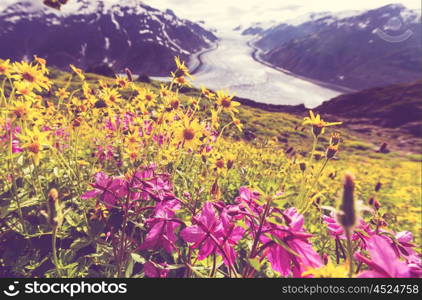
x=228 y=13
x=225 y=12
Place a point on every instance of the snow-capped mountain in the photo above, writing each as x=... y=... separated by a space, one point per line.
x=354 y=49
x=271 y=34
x=89 y=33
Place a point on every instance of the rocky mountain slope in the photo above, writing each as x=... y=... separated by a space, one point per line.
x=354 y=49
x=391 y=106
x=86 y=33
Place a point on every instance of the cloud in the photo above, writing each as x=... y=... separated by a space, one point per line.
x=227 y=14
x=224 y=14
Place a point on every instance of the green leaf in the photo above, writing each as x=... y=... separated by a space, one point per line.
x=79 y=244
x=254 y=262
x=72 y=219
x=174 y=267
x=362 y=232
x=129 y=269
x=137 y=258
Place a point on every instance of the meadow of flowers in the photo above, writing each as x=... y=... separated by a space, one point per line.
x=106 y=177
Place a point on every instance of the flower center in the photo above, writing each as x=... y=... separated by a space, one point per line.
x=188 y=134
x=148 y=97
x=219 y=163
x=34 y=147
x=225 y=102
x=20 y=112
x=28 y=77
x=25 y=91
x=174 y=104
x=181 y=80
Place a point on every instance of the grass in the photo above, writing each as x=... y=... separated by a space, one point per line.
x=43 y=186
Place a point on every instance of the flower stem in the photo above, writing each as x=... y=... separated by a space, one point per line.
x=312 y=187
x=349 y=251
x=54 y=247
x=14 y=186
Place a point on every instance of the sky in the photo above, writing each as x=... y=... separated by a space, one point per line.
x=227 y=14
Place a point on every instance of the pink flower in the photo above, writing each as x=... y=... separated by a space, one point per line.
x=299 y=254
x=106 y=189
x=229 y=236
x=248 y=197
x=162 y=228
x=152 y=185
x=294 y=219
x=334 y=228
x=384 y=262
x=362 y=231
x=213 y=234
x=104 y=154
x=159 y=187
x=154 y=270
x=404 y=244
x=5 y=139
x=403 y=247
x=204 y=233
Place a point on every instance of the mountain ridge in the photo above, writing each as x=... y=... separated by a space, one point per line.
x=347 y=51
x=127 y=34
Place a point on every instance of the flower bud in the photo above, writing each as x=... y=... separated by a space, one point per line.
x=347 y=215
x=325 y=258
x=230 y=163
x=331 y=151
x=374 y=202
x=129 y=74
x=317 y=130
x=53 y=207
x=384 y=148
x=215 y=189
x=378 y=186
x=318 y=155
x=335 y=138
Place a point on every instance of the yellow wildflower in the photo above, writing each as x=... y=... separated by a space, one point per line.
x=122 y=82
x=328 y=271
x=207 y=93
x=22 y=111
x=78 y=72
x=189 y=133
x=110 y=96
x=62 y=93
x=318 y=124
x=148 y=96
x=226 y=102
x=5 y=68
x=181 y=69
x=25 y=89
x=31 y=74
x=33 y=142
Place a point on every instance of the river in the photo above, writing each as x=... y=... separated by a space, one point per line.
x=231 y=66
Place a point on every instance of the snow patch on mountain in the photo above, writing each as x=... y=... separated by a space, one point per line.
x=96 y=29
